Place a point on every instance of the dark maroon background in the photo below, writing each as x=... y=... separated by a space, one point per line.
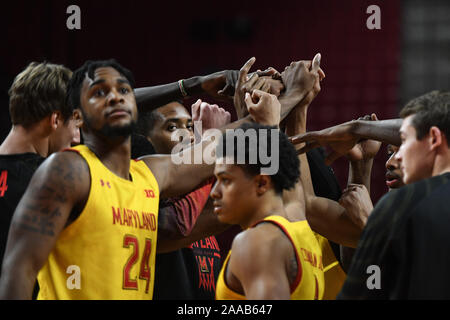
x=163 y=41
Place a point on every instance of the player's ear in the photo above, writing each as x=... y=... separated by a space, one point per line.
x=78 y=117
x=263 y=184
x=435 y=137
x=55 y=120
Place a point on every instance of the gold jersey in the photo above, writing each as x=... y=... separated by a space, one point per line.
x=109 y=251
x=334 y=275
x=309 y=283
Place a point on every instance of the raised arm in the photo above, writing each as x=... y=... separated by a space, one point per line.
x=294 y=200
x=360 y=168
x=175 y=178
x=219 y=85
x=343 y=137
x=58 y=188
x=247 y=84
x=357 y=193
x=180 y=178
x=325 y=216
x=299 y=79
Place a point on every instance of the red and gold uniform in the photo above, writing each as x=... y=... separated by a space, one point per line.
x=333 y=272
x=111 y=246
x=309 y=283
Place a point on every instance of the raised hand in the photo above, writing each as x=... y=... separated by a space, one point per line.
x=340 y=139
x=266 y=84
x=210 y=115
x=357 y=203
x=220 y=85
x=239 y=93
x=263 y=107
x=300 y=76
x=260 y=80
x=365 y=149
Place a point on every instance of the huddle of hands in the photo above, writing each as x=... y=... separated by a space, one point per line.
x=260 y=94
x=268 y=97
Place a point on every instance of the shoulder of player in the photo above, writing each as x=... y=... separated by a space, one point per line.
x=264 y=241
x=151 y=159
x=158 y=164
x=67 y=160
x=65 y=169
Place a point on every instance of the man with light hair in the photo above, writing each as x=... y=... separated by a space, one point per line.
x=42 y=123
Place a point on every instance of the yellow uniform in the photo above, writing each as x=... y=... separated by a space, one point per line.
x=309 y=283
x=109 y=251
x=334 y=275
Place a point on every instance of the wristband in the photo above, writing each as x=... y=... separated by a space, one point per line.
x=181 y=86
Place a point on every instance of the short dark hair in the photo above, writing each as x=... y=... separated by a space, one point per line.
x=37 y=92
x=431 y=109
x=288 y=172
x=89 y=67
x=147 y=119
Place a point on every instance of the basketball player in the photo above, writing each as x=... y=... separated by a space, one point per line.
x=59 y=214
x=274 y=257
x=394 y=176
x=342 y=139
x=356 y=198
x=246 y=197
x=317 y=177
x=42 y=123
x=189 y=272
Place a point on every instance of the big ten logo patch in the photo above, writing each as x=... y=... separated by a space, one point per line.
x=74 y=280
x=104 y=183
x=149 y=193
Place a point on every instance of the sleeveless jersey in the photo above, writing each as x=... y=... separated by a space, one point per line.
x=108 y=252
x=309 y=283
x=333 y=273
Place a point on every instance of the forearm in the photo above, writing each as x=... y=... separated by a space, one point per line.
x=386 y=131
x=17 y=281
x=20 y=267
x=172 y=236
x=296 y=124
x=289 y=101
x=178 y=216
x=206 y=225
x=360 y=172
x=150 y=98
x=328 y=218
